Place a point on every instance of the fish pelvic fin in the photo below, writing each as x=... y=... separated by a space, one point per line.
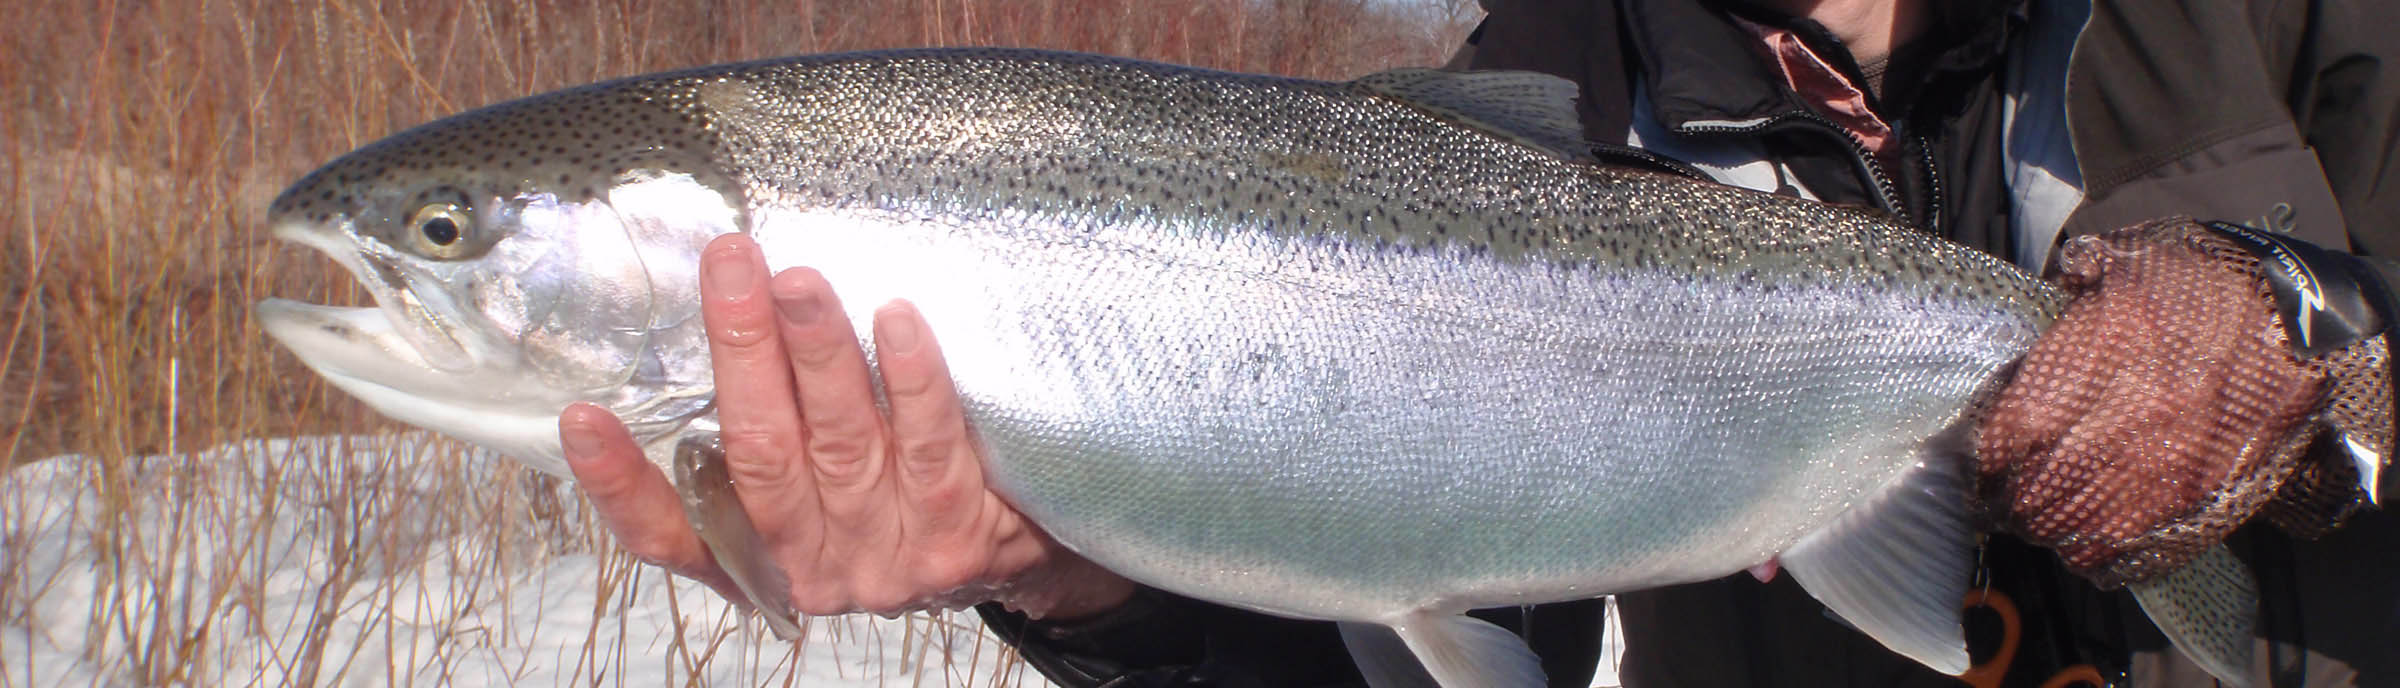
x=1530 y=108
x=2208 y=609
x=724 y=525
x=1896 y=566
x=1428 y=650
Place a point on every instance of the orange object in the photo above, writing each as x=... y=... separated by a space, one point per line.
x=1991 y=672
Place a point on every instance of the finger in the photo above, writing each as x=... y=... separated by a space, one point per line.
x=756 y=410
x=844 y=431
x=841 y=423
x=945 y=510
x=632 y=497
x=2059 y=382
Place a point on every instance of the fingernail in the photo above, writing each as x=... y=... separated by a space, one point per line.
x=801 y=308
x=897 y=329
x=731 y=273
x=581 y=441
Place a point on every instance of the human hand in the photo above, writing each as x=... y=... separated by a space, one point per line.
x=2162 y=410
x=863 y=509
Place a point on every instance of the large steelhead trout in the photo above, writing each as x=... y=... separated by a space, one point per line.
x=1376 y=352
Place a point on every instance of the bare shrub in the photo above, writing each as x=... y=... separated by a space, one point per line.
x=142 y=143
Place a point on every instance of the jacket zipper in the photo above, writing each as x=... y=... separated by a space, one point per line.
x=1887 y=193
x=1933 y=185
x=1621 y=154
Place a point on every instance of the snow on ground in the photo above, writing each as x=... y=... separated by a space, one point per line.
x=397 y=560
x=369 y=562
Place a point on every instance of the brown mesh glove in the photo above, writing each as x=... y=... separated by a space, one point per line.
x=2165 y=408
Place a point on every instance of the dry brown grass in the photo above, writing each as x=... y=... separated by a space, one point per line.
x=143 y=139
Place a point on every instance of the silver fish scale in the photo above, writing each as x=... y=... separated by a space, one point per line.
x=1304 y=348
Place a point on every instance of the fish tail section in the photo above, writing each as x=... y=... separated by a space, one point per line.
x=716 y=512
x=1428 y=650
x=1896 y=567
x=2208 y=608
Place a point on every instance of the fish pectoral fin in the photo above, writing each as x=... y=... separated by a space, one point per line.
x=1427 y=650
x=716 y=513
x=1896 y=567
x=1526 y=107
x=2208 y=609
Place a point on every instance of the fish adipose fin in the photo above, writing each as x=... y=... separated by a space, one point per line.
x=1531 y=108
x=2207 y=608
x=1896 y=566
x=1442 y=650
x=717 y=513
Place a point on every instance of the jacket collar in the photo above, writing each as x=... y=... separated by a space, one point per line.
x=1700 y=68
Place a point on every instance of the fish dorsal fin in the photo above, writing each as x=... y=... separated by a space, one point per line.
x=1531 y=108
x=1445 y=650
x=1896 y=566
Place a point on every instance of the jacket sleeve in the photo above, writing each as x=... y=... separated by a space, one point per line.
x=2345 y=95
x=1160 y=639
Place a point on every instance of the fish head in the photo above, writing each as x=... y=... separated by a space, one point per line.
x=521 y=258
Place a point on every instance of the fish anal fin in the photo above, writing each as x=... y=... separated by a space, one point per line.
x=1896 y=566
x=1445 y=650
x=1382 y=658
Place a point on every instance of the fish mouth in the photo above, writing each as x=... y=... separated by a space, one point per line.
x=360 y=352
x=351 y=346
x=435 y=339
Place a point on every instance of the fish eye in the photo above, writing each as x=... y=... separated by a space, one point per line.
x=439 y=229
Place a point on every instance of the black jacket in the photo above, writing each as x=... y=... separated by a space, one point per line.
x=2274 y=114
